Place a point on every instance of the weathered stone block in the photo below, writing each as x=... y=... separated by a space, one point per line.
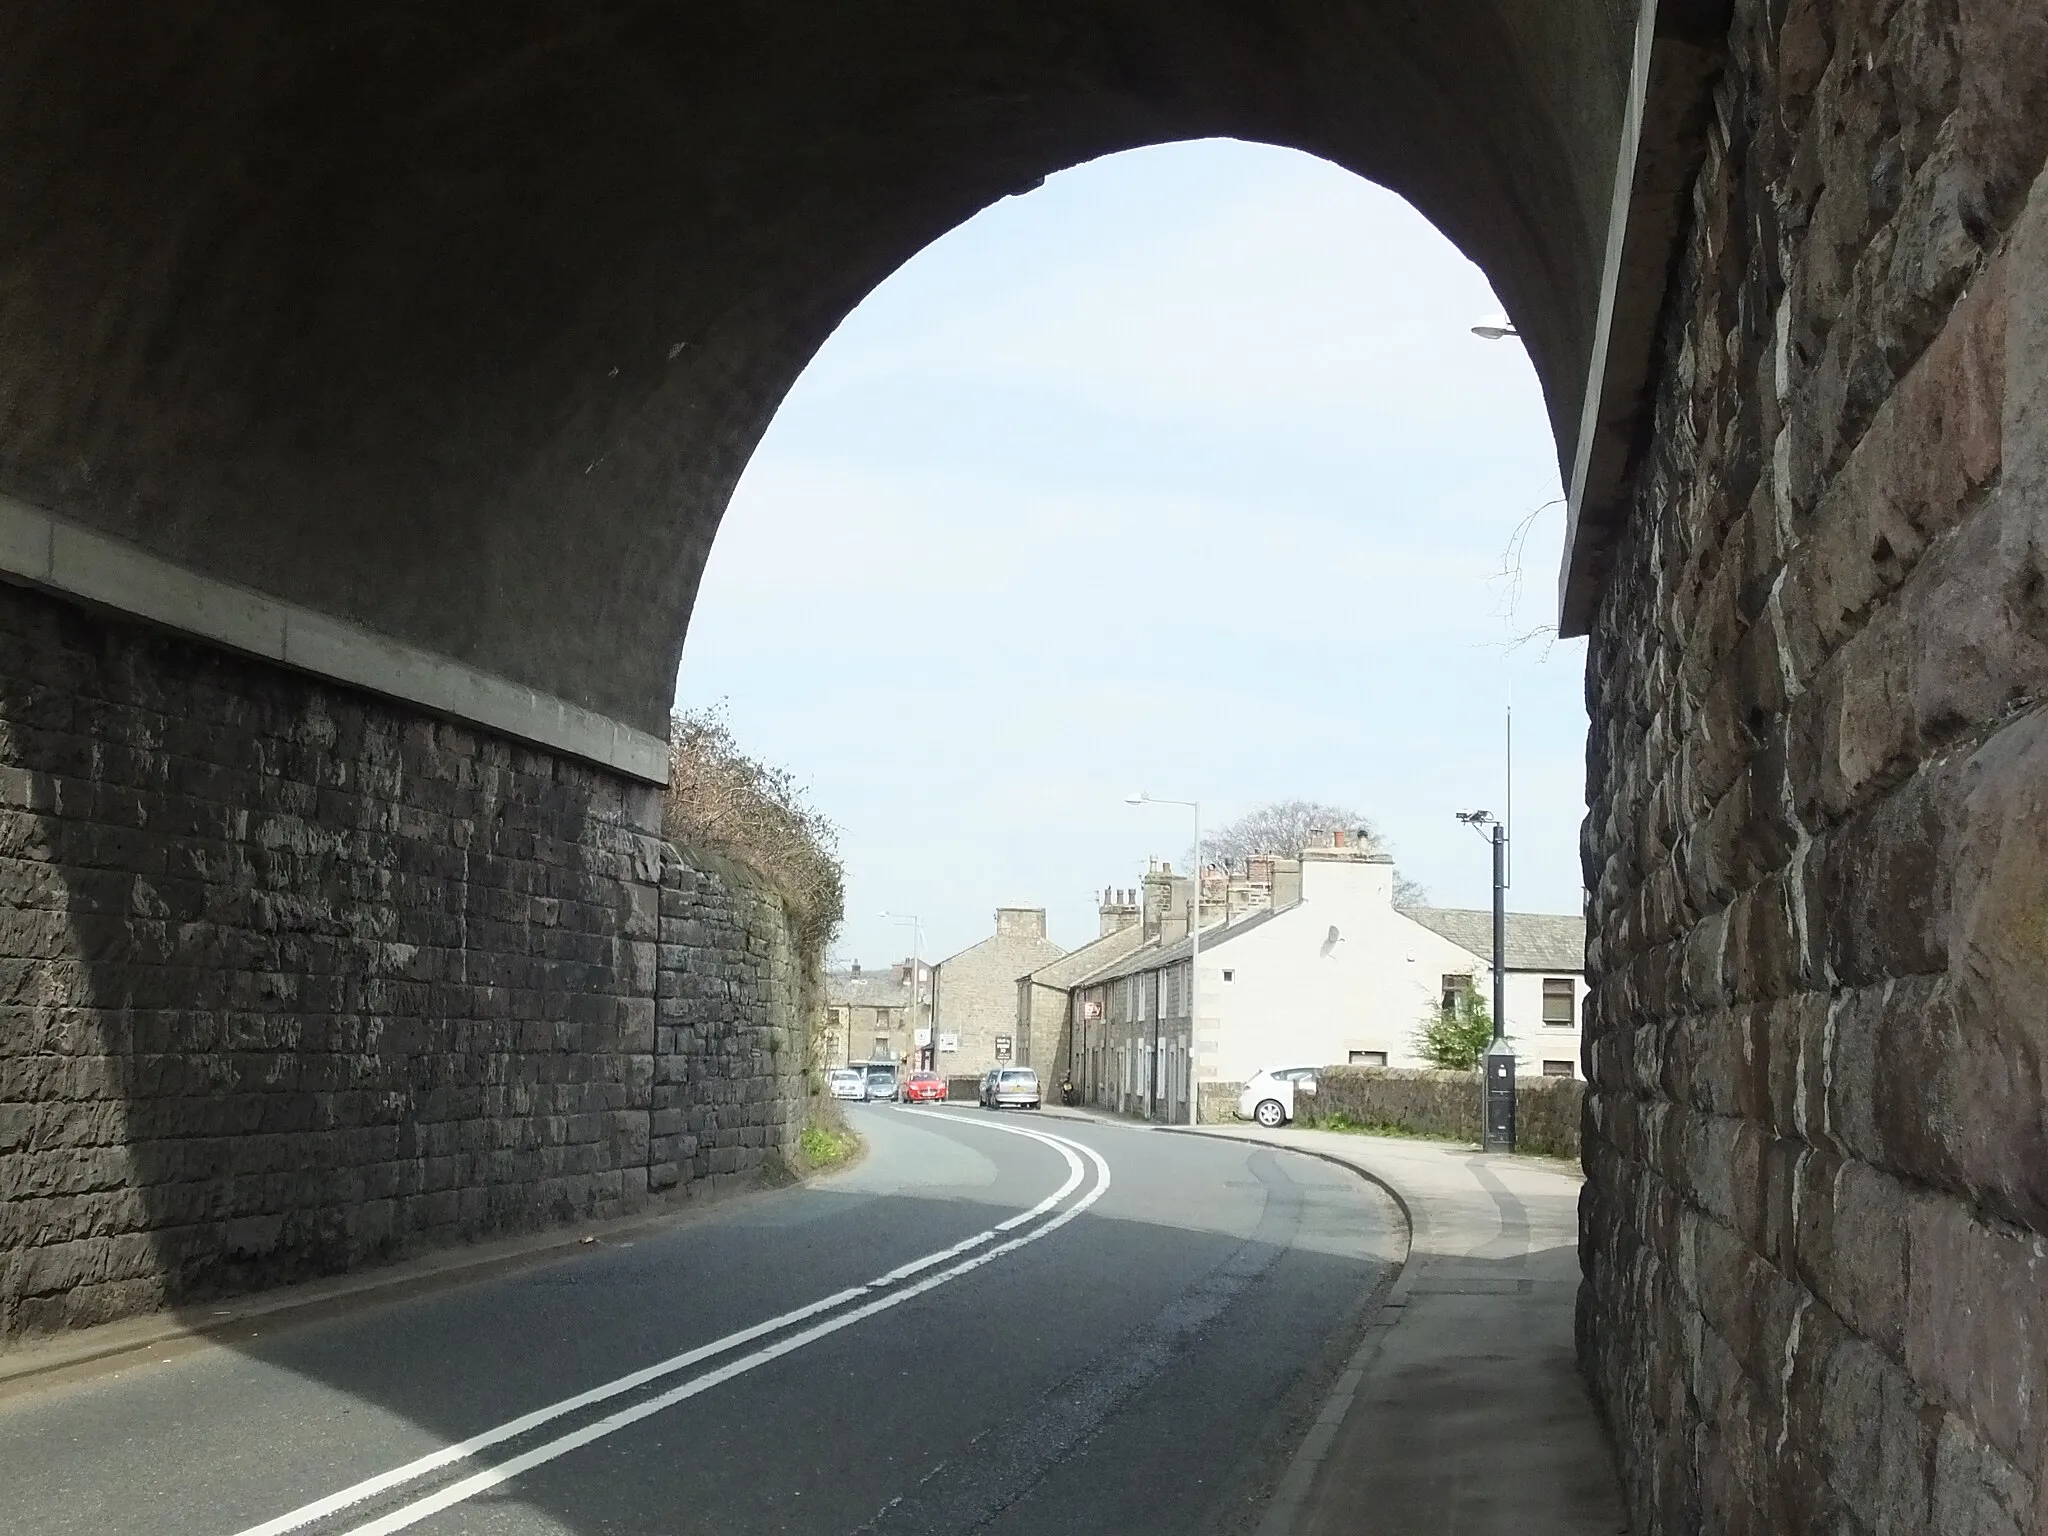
x=1976 y=1329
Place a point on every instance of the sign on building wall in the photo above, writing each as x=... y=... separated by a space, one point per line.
x=1002 y=1047
x=948 y=1042
x=924 y=1037
x=1092 y=1009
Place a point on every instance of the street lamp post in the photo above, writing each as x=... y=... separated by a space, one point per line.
x=1194 y=962
x=916 y=924
x=1498 y=1106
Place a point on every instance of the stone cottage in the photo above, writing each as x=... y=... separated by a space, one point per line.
x=974 y=1000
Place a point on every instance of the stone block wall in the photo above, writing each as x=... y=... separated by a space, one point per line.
x=732 y=1002
x=1547 y=1109
x=1816 y=1217
x=1218 y=1101
x=975 y=991
x=292 y=980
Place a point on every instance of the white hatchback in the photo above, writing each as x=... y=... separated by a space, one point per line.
x=1269 y=1097
x=845 y=1083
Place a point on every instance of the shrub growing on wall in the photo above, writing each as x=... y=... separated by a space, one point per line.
x=720 y=798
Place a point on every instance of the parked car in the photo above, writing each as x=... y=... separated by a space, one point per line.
x=924 y=1088
x=882 y=1082
x=1269 y=1097
x=1012 y=1088
x=845 y=1083
x=985 y=1094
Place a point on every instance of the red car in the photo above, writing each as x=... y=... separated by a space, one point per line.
x=924 y=1088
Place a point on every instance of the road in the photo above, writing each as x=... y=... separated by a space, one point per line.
x=1009 y=1323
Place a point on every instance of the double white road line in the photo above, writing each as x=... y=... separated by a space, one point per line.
x=825 y=1316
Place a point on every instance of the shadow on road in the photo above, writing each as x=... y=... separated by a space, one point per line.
x=1161 y=1353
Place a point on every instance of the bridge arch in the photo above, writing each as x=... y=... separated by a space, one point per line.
x=417 y=349
x=460 y=332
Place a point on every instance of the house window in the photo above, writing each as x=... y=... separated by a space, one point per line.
x=1230 y=975
x=1558 y=1069
x=1455 y=989
x=1367 y=1058
x=882 y=1051
x=1558 y=1009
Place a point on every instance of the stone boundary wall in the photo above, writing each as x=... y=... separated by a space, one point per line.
x=1547 y=1109
x=1218 y=1101
x=1816 y=1219
x=293 y=980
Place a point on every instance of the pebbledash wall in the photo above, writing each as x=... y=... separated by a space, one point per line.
x=1816 y=1136
x=292 y=979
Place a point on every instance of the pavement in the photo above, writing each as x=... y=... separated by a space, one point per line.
x=1462 y=1410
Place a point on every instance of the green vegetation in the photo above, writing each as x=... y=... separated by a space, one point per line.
x=1454 y=1039
x=826 y=1141
x=723 y=800
x=824 y=1146
x=1338 y=1120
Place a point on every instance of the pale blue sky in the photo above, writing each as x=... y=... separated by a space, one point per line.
x=956 y=590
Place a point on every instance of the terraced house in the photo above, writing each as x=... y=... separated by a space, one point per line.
x=1327 y=971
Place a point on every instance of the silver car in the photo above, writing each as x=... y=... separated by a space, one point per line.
x=881 y=1083
x=1012 y=1088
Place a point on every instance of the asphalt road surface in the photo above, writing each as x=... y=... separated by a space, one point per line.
x=1011 y=1323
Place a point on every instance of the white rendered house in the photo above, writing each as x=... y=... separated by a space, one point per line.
x=1337 y=974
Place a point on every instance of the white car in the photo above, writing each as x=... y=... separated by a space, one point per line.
x=845 y=1083
x=1269 y=1097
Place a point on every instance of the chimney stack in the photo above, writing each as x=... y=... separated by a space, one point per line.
x=1118 y=911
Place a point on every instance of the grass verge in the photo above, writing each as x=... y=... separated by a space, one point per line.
x=1339 y=1121
x=826 y=1142
x=1350 y=1125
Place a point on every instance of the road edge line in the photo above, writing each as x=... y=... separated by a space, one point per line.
x=1290 y=1494
x=33 y=1365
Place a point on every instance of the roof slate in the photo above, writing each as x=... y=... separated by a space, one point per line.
x=1076 y=964
x=1536 y=941
x=867 y=989
x=1155 y=955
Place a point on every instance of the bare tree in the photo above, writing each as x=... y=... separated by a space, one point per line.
x=1283 y=827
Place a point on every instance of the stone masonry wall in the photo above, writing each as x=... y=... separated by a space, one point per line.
x=292 y=980
x=975 y=993
x=1816 y=1217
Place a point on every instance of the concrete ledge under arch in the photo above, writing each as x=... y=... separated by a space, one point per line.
x=47 y=551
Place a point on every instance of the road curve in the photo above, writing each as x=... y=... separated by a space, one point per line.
x=1013 y=1323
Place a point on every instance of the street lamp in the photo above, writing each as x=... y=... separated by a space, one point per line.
x=1194 y=961
x=1498 y=1104
x=916 y=924
x=1499 y=332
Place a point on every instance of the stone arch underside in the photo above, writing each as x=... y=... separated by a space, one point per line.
x=460 y=326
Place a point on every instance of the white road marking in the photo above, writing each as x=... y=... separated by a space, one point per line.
x=412 y=1514
x=355 y=1493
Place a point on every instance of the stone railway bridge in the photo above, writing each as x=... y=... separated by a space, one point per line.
x=373 y=378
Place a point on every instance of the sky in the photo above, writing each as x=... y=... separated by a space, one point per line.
x=1182 y=473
